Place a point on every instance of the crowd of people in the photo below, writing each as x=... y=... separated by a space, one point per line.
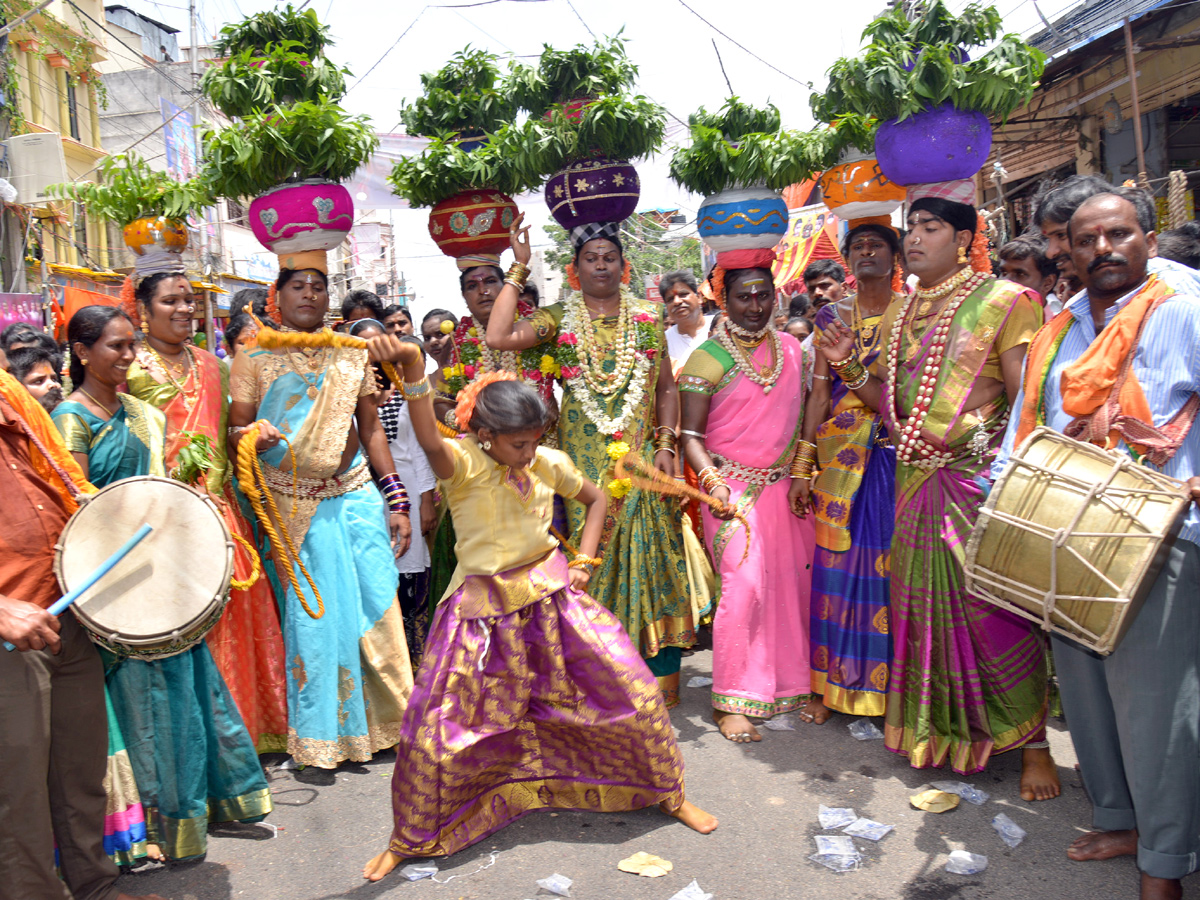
x=497 y=569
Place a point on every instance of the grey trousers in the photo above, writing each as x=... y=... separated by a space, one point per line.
x=53 y=752
x=1135 y=721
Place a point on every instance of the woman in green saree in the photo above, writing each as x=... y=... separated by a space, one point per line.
x=192 y=759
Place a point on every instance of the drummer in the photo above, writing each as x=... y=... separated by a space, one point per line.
x=51 y=783
x=1134 y=715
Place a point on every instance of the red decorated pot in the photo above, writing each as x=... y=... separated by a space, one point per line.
x=473 y=222
x=572 y=110
x=939 y=144
x=856 y=188
x=156 y=232
x=310 y=215
x=593 y=190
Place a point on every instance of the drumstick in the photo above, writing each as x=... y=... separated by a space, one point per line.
x=105 y=567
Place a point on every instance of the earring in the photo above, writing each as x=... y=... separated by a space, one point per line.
x=83 y=362
x=487 y=445
x=145 y=326
x=962 y=256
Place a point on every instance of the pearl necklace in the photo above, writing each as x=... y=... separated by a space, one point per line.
x=939 y=292
x=591 y=355
x=911 y=447
x=744 y=359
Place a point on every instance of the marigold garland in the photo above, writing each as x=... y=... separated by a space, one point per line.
x=129 y=299
x=897 y=277
x=573 y=275
x=717 y=279
x=272 y=307
x=465 y=408
x=980 y=261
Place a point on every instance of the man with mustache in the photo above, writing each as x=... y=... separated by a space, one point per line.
x=38 y=370
x=1134 y=715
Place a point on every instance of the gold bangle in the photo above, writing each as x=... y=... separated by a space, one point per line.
x=415 y=390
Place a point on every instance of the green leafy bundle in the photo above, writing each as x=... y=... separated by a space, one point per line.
x=911 y=65
x=577 y=74
x=462 y=96
x=195 y=458
x=251 y=81
x=444 y=169
x=850 y=130
x=127 y=189
x=294 y=143
x=615 y=126
x=275 y=26
x=724 y=155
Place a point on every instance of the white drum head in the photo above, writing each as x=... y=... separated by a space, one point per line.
x=169 y=583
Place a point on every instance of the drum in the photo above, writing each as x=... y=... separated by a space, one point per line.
x=1072 y=537
x=168 y=592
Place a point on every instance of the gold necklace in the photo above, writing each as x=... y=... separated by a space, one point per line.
x=313 y=391
x=764 y=376
x=111 y=412
x=189 y=367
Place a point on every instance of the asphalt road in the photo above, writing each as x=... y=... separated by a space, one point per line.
x=766 y=796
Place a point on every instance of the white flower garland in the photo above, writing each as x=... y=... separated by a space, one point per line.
x=631 y=369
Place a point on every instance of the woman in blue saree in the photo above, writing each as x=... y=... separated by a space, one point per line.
x=192 y=758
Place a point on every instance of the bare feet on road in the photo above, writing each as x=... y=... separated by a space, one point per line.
x=736 y=727
x=692 y=816
x=1039 y=775
x=1103 y=845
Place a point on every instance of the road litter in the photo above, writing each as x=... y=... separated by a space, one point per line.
x=646 y=864
x=836 y=852
x=934 y=801
x=865 y=730
x=417 y=871
x=968 y=792
x=556 y=884
x=1010 y=832
x=963 y=863
x=835 y=816
x=867 y=829
x=692 y=892
x=699 y=681
x=781 y=722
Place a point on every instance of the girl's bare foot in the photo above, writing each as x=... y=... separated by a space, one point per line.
x=815 y=711
x=1039 y=775
x=1103 y=845
x=692 y=816
x=736 y=727
x=153 y=851
x=380 y=865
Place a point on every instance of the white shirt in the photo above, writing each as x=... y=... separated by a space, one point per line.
x=680 y=345
x=413 y=468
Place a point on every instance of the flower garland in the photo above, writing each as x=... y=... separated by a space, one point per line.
x=465 y=408
x=581 y=358
x=472 y=358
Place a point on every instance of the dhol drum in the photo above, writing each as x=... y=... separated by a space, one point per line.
x=169 y=591
x=1072 y=537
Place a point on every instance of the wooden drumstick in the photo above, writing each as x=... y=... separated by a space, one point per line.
x=60 y=606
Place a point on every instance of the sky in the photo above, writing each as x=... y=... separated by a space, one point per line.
x=387 y=45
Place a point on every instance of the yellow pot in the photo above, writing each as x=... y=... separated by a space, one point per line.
x=156 y=231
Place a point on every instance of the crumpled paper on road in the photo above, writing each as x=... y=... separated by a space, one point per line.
x=646 y=864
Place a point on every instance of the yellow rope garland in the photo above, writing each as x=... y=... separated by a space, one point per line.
x=648 y=478
x=255 y=564
x=270 y=339
x=254 y=485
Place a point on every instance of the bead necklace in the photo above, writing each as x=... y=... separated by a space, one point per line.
x=186 y=371
x=911 y=447
x=591 y=354
x=765 y=376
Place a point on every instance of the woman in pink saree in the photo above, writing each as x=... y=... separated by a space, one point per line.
x=743 y=403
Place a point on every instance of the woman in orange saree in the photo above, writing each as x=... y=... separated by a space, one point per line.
x=191 y=387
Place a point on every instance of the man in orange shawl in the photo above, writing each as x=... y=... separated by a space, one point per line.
x=53 y=728
x=1120 y=367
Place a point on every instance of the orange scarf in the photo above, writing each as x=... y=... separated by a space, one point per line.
x=50 y=457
